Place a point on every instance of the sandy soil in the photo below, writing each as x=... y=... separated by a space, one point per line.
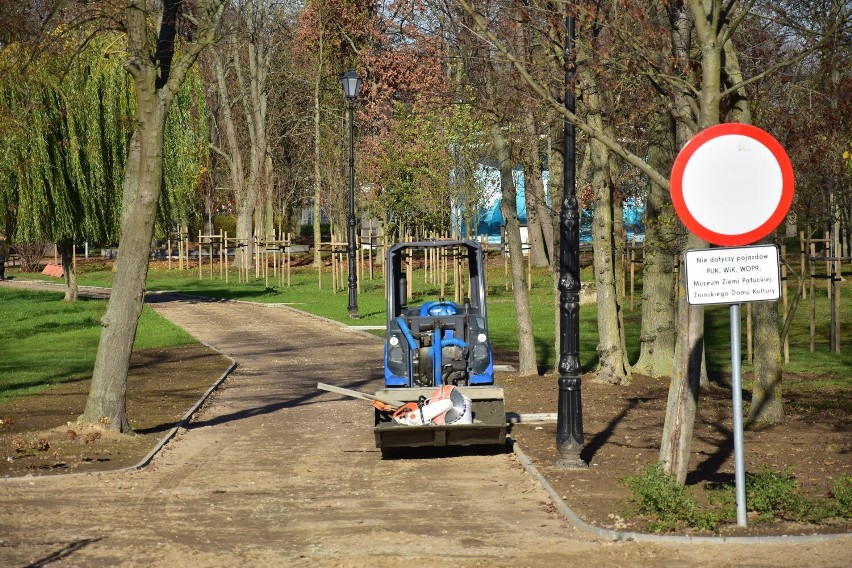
x=273 y=472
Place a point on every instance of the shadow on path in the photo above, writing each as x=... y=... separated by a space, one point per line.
x=64 y=553
x=303 y=399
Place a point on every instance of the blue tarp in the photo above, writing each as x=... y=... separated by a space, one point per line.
x=491 y=220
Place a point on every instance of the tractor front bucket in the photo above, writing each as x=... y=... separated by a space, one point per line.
x=488 y=427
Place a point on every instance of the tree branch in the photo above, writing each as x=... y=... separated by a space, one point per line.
x=166 y=41
x=699 y=18
x=545 y=95
x=219 y=151
x=205 y=35
x=734 y=25
x=351 y=42
x=766 y=72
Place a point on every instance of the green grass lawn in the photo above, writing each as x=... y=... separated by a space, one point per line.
x=304 y=294
x=46 y=340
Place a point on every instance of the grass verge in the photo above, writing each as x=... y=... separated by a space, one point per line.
x=49 y=341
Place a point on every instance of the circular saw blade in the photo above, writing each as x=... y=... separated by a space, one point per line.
x=459 y=408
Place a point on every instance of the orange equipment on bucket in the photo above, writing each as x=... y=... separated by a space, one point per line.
x=445 y=406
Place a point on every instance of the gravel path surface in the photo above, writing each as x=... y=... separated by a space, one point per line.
x=273 y=472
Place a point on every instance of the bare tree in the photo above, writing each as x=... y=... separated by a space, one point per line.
x=657 y=335
x=526 y=345
x=241 y=65
x=613 y=366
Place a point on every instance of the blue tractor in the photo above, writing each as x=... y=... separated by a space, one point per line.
x=439 y=343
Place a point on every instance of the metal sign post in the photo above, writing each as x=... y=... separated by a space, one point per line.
x=732 y=185
x=734 y=276
x=737 y=388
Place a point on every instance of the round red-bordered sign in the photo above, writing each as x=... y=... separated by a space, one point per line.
x=732 y=184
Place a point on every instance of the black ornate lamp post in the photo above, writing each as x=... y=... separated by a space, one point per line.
x=569 y=417
x=351 y=85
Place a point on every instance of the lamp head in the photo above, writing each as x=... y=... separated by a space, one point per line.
x=351 y=84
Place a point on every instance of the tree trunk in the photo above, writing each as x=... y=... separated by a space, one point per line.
x=689 y=349
x=555 y=162
x=766 y=402
x=527 y=364
x=547 y=227
x=317 y=209
x=252 y=92
x=106 y=401
x=156 y=80
x=619 y=237
x=613 y=366
x=534 y=193
x=245 y=233
x=657 y=336
x=612 y=357
x=236 y=169
x=209 y=195
x=66 y=253
x=269 y=197
x=767 y=406
x=676 y=444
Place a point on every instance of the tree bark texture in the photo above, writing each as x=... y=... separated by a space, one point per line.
x=107 y=395
x=676 y=443
x=766 y=402
x=613 y=366
x=681 y=29
x=527 y=364
x=555 y=162
x=268 y=222
x=538 y=226
x=657 y=336
x=317 y=205
x=689 y=349
x=234 y=156
x=252 y=93
x=619 y=237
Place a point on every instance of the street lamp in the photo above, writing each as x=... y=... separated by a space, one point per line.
x=351 y=85
x=569 y=412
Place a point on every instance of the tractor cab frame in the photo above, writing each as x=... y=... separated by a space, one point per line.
x=437 y=342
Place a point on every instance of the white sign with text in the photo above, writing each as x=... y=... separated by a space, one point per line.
x=732 y=275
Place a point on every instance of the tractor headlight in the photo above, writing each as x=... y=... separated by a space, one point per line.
x=394 y=341
x=482 y=338
x=480 y=352
x=395 y=355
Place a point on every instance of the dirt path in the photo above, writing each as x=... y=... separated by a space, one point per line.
x=275 y=473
